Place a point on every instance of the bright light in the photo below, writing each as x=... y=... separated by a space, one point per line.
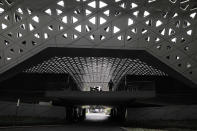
x=97 y=113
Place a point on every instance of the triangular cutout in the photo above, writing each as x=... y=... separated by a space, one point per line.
x=120 y=37
x=3 y=26
x=115 y=29
x=123 y=5
x=130 y=21
x=65 y=36
x=157 y=39
x=50 y=27
x=1 y=10
x=74 y=36
x=19 y=10
x=102 y=20
x=102 y=4
x=106 y=12
x=163 y=31
x=178 y=23
x=174 y=40
x=134 y=30
x=36 y=19
x=107 y=29
x=171 y=32
x=189 y=32
x=133 y=5
x=8 y=58
x=193 y=15
x=46 y=35
x=29 y=11
x=22 y=26
x=147 y=39
x=92 y=20
x=129 y=38
x=102 y=37
x=48 y=11
x=7 y=17
x=37 y=35
x=59 y=12
x=61 y=3
x=186 y=24
x=88 y=12
x=74 y=19
x=175 y=15
x=31 y=27
x=78 y=28
x=146 y=13
x=64 y=19
x=92 y=37
x=92 y=4
x=149 y=22
x=60 y=27
x=136 y=13
x=158 y=23
x=19 y=35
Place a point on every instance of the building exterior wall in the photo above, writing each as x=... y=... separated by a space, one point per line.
x=182 y=112
x=33 y=110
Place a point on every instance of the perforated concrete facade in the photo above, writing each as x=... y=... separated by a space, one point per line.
x=164 y=28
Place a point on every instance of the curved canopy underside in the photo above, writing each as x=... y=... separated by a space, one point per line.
x=95 y=71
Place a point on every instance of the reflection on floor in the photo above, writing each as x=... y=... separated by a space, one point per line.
x=96 y=117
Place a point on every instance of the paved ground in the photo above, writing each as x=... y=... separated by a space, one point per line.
x=94 y=122
x=85 y=126
x=67 y=128
x=100 y=122
x=88 y=126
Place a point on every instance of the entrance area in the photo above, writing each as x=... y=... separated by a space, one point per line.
x=97 y=113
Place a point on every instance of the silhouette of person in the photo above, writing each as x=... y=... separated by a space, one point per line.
x=110 y=85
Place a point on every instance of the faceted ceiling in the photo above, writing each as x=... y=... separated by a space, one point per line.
x=167 y=29
x=95 y=71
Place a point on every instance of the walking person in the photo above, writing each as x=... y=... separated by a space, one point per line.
x=110 y=85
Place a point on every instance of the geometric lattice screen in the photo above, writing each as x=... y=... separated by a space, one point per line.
x=165 y=28
x=95 y=71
